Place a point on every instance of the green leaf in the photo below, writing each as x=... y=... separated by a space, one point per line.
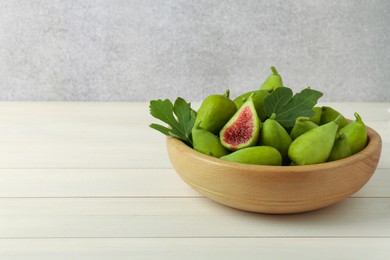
x=164 y=130
x=185 y=115
x=179 y=116
x=274 y=103
x=162 y=109
x=287 y=107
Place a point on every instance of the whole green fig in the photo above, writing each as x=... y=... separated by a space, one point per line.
x=214 y=112
x=262 y=155
x=317 y=117
x=273 y=134
x=301 y=126
x=315 y=145
x=356 y=134
x=329 y=114
x=273 y=81
x=207 y=143
x=341 y=148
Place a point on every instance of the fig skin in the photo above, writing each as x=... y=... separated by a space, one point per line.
x=356 y=134
x=315 y=145
x=341 y=148
x=301 y=126
x=329 y=114
x=207 y=143
x=273 y=81
x=260 y=155
x=317 y=117
x=273 y=134
x=214 y=112
x=258 y=99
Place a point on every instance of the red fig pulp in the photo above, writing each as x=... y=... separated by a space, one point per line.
x=242 y=130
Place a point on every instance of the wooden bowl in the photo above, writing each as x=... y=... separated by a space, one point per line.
x=275 y=189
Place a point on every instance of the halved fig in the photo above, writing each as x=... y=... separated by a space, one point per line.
x=242 y=130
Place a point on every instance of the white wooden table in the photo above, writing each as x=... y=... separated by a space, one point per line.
x=93 y=181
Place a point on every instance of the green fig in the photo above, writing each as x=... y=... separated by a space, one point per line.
x=341 y=148
x=329 y=114
x=301 y=126
x=242 y=130
x=258 y=99
x=317 y=117
x=240 y=100
x=315 y=145
x=214 y=112
x=207 y=143
x=273 y=134
x=262 y=155
x=356 y=134
x=273 y=81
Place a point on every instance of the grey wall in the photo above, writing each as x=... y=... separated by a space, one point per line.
x=102 y=50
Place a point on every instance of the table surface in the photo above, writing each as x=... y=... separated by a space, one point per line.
x=93 y=181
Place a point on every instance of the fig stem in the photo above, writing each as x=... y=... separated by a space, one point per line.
x=227 y=93
x=274 y=71
x=358 y=118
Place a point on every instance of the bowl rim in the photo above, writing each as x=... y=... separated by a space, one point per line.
x=374 y=142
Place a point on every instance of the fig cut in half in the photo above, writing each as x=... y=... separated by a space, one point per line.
x=242 y=130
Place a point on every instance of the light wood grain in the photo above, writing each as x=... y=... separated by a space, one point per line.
x=184 y=217
x=25 y=183
x=108 y=150
x=106 y=135
x=57 y=183
x=93 y=181
x=195 y=248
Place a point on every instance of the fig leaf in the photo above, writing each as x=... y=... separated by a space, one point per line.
x=288 y=107
x=179 y=116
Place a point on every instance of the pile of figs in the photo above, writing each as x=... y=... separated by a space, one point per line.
x=239 y=131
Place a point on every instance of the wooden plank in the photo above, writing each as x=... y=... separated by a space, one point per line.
x=84 y=133
x=104 y=156
x=184 y=217
x=77 y=147
x=77 y=130
x=102 y=135
x=383 y=129
x=59 y=183
x=378 y=185
x=83 y=156
x=384 y=161
x=134 y=112
x=195 y=248
x=141 y=212
x=89 y=120
x=93 y=183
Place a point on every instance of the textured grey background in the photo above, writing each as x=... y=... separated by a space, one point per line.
x=119 y=50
